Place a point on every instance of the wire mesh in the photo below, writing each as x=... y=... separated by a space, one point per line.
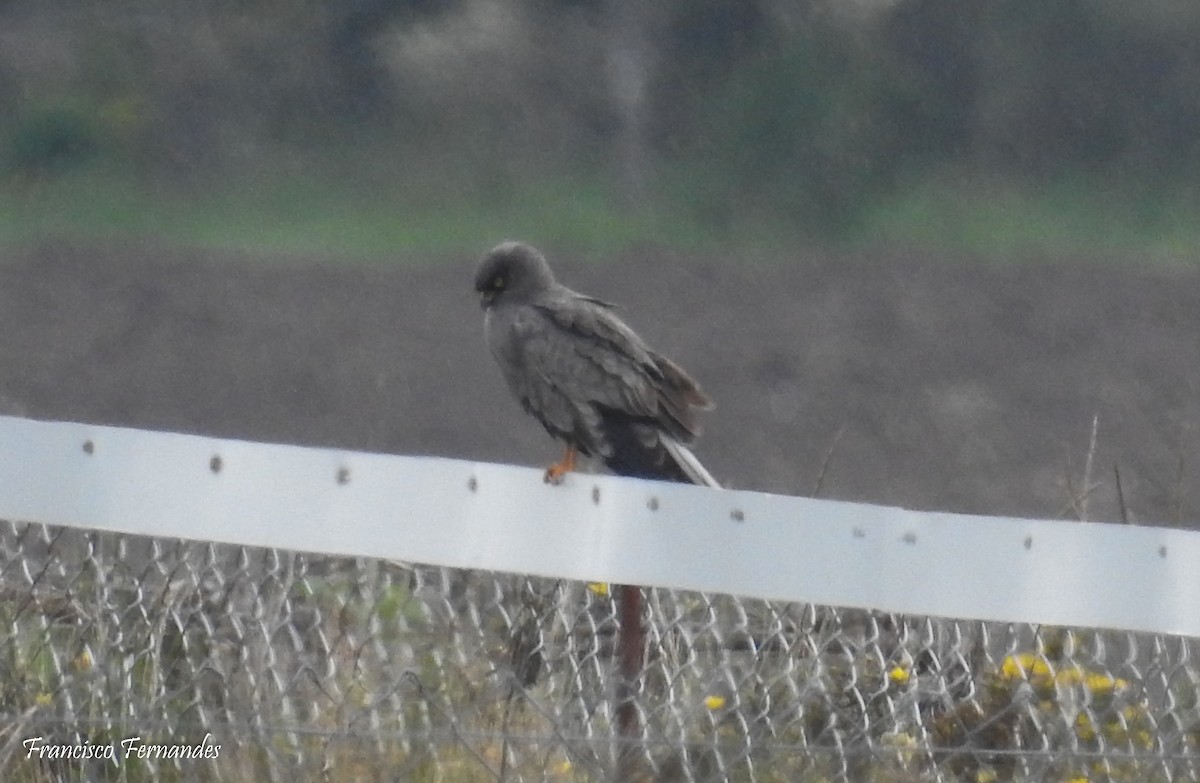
x=231 y=663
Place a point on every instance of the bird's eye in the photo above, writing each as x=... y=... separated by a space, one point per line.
x=498 y=283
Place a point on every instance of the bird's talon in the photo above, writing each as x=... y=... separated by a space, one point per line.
x=559 y=470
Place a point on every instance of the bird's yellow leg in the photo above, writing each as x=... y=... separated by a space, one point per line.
x=556 y=472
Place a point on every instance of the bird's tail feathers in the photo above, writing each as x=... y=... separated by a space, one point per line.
x=688 y=464
x=642 y=450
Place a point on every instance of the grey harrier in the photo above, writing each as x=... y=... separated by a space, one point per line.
x=585 y=375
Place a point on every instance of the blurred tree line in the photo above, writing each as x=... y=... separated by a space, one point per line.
x=807 y=108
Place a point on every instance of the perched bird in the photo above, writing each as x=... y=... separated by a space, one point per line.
x=586 y=376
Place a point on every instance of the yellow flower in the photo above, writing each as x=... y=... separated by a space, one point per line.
x=1098 y=683
x=1069 y=675
x=714 y=702
x=986 y=775
x=1025 y=666
x=899 y=675
x=599 y=588
x=1084 y=728
x=44 y=699
x=1102 y=684
x=83 y=662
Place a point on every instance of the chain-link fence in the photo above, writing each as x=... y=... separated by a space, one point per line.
x=242 y=664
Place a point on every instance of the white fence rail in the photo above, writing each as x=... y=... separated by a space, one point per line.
x=599 y=528
x=789 y=638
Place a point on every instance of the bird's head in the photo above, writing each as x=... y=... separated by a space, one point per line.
x=512 y=272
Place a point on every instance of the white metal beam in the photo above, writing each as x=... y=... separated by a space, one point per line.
x=600 y=528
